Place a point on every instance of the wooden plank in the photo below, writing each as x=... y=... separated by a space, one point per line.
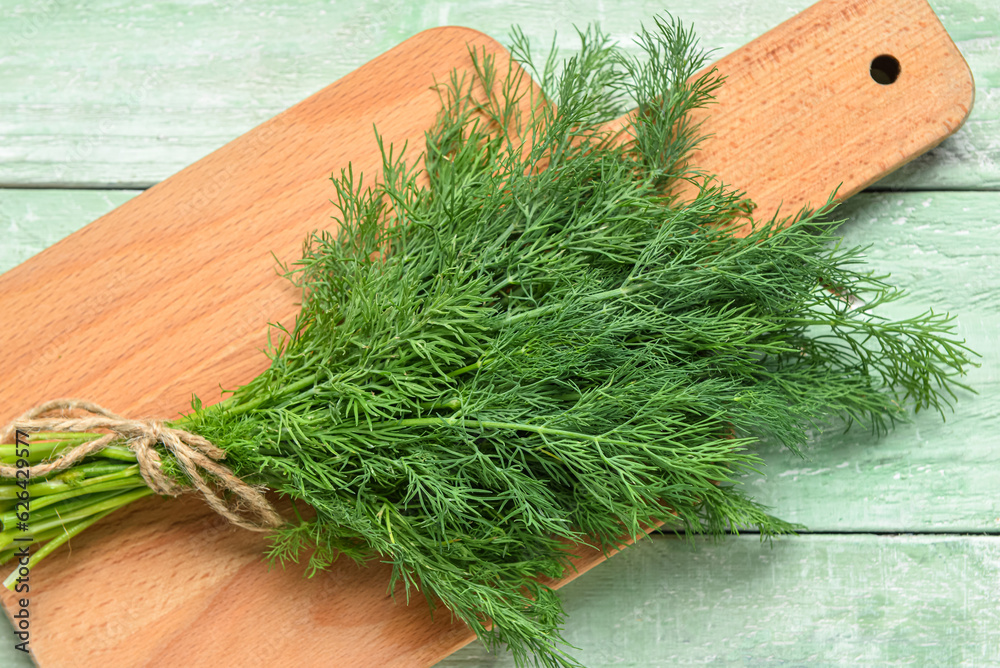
x=210 y=229
x=219 y=572
x=33 y=220
x=118 y=94
x=172 y=286
x=925 y=476
x=809 y=601
x=929 y=475
x=262 y=193
x=863 y=599
x=817 y=62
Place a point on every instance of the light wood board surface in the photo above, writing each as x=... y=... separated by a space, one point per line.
x=30 y=210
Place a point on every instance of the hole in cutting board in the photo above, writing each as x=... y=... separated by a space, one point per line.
x=884 y=69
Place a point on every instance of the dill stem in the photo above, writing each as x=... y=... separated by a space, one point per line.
x=118 y=452
x=488 y=424
x=465 y=369
x=45 y=446
x=452 y=404
x=62 y=510
x=230 y=406
x=72 y=478
x=81 y=511
x=7 y=553
x=115 y=481
x=622 y=291
x=56 y=542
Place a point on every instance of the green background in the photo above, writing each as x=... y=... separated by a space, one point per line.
x=901 y=564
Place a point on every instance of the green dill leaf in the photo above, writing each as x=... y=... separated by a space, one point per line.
x=522 y=338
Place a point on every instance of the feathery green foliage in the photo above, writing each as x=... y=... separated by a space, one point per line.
x=496 y=360
x=525 y=338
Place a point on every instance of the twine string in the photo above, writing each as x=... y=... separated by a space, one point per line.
x=194 y=454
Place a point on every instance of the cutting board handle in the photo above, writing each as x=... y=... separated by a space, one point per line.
x=172 y=293
x=861 y=87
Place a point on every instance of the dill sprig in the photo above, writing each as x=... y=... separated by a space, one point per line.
x=546 y=329
x=525 y=338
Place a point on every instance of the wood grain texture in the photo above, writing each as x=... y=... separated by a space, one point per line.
x=32 y=220
x=179 y=297
x=812 y=601
x=120 y=94
x=929 y=475
x=195 y=250
x=830 y=125
x=199 y=246
x=190 y=647
x=926 y=476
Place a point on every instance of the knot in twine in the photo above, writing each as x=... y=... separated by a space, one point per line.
x=193 y=453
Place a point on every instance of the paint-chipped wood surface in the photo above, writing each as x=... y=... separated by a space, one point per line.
x=817 y=600
x=114 y=93
x=97 y=129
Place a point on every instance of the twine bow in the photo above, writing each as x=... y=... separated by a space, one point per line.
x=194 y=455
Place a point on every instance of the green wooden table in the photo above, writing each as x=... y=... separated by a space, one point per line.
x=901 y=565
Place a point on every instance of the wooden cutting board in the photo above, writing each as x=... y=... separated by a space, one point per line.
x=171 y=293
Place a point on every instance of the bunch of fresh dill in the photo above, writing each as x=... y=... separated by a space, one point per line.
x=527 y=338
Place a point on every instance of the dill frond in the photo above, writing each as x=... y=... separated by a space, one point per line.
x=522 y=338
